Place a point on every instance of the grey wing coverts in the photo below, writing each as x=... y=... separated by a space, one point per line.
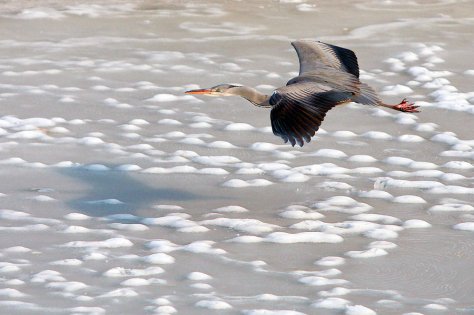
x=328 y=76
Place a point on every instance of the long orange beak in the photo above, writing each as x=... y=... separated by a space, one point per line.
x=199 y=91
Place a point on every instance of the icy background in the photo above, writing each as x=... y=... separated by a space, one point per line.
x=122 y=195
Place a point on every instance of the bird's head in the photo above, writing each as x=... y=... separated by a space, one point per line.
x=218 y=90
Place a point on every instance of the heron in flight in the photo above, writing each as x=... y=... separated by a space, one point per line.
x=328 y=76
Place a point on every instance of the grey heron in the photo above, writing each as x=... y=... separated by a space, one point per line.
x=328 y=76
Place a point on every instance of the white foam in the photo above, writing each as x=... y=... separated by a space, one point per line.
x=337 y=291
x=435 y=307
x=331 y=303
x=381 y=234
x=324 y=169
x=397 y=89
x=342 y=134
x=124 y=292
x=380 y=194
x=329 y=185
x=416 y=224
x=274 y=166
x=94 y=256
x=465 y=226
x=330 y=153
x=288 y=176
x=66 y=286
x=408 y=199
x=239 y=127
x=410 y=138
x=96 y=167
x=162 y=246
x=163 y=98
x=128 y=167
x=165 y=310
x=169 y=121
x=198 y=276
x=372 y=217
x=330 y=261
x=67 y=262
x=358 y=310
x=446 y=137
x=135 y=282
x=231 y=209
x=111 y=201
x=246 y=239
x=221 y=145
x=177 y=221
x=321 y=281
x=240 y=183
x=383 y=182
x=271 y=312
x=396 y=160
x=310 y=225
x=461 y=165
x=203 y=247
x=303 y=237
x=342 y=204
x=452 y=207
x=362 y=158
x=109 y=243
x=126 y=272
x=451 y=189
x=379 y=135
x=11 y=293
x=47 y=276
x=216 y=160
x=213 y=304
x=300 y=212
x=200 y=125
x=382 y=245
x=17 y=249
x=90 y=141
x=243 y=225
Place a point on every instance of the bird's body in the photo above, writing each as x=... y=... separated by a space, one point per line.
x=328 y=76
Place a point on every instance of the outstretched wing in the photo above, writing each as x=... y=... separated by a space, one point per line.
x=313 y=55
x=299 y=109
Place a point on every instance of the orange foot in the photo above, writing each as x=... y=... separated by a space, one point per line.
x=404 y=106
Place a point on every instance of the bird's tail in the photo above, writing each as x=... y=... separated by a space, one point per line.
x=367 y=96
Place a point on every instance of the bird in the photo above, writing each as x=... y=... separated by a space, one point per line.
x=328 y=76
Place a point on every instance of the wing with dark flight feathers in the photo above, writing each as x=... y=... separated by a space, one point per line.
x=313 y=54
x=299 y=109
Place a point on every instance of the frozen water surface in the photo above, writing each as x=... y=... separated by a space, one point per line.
x=122 y=195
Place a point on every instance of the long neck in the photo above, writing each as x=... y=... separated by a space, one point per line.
x=252 y=95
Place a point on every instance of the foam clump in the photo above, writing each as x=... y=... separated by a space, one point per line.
x=342 y=204
x=330 y=261
x=408 y=199
x=397 y=89
x=243 y=225
x=240 y=183
x=329 y=153
x=416 y=224
x=465 y=226
x=362 y=158
x=239 y=127
x=379 y=194
x=331 y=303
x=303 y=237
x=271 y=312
x=213 y=304
x=452 y=207
x=358 y=310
